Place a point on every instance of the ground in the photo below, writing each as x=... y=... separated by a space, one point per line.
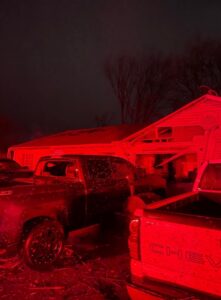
x=92 y=267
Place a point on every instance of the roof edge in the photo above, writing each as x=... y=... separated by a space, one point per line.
x=202 y=98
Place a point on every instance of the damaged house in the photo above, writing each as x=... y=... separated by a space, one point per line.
x=175 y=145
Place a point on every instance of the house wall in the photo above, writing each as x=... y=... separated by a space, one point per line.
x=176 y=134
x=193 y=119
x=30 y=156
x=205 y=113
x=189 y=128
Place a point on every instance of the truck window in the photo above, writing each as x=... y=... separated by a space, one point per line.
x=55 y=168
x=98 y=168
x=122 y=169
x=211 y=178
x=58 y=168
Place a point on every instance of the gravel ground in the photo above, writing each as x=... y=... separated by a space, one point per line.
x=93 y=267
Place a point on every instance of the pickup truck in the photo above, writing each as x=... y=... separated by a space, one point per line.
x=175 y=243
x=66 y=193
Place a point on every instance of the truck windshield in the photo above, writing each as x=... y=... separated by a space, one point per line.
x=211 y=179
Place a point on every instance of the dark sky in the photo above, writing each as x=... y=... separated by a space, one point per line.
x=52 y=52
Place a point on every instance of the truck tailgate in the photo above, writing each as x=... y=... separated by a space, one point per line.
x=186 y=254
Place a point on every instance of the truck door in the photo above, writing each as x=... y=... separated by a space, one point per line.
x=107 y=188
x=66 y=173
x=99 y=186
x=122 y=182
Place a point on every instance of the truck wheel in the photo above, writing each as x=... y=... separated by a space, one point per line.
x=43 y=245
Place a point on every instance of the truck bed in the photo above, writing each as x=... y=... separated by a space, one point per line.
x=205 y=203
x=180 y=241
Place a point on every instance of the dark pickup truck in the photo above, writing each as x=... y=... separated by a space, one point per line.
x=66 y=192
x=175 y=243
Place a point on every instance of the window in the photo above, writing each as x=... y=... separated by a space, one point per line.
x=58 y=168
x=99 y=168
x=164 y=132
x=55 y=168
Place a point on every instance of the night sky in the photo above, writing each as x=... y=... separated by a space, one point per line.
x=52 y=53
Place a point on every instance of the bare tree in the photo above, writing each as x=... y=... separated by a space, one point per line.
x=199 y=66
x=122 y=75
x=142 y=86
x=153 y=88
x=149 y=87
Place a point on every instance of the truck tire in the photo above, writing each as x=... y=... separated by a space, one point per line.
x=43 y=244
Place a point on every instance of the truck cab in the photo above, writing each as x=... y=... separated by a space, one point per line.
x=65 y=193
